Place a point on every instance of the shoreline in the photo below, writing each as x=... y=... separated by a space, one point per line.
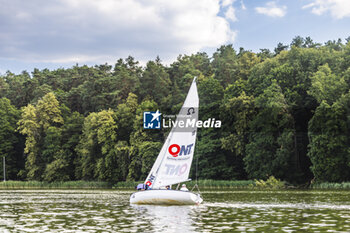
x=203 y=184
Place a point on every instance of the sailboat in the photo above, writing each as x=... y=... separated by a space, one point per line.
x=173 y=163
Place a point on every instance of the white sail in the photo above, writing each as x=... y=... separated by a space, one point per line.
x=174 y=161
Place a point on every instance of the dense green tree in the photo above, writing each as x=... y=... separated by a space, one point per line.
x=280 y=47
x=181 y=73
x=237 y=114
x=148 y=153
x=18 y=88
x=344 y=59
x=246 y=62
x=41 y=91
x=125 y=115
x=155 y=82
x=185 y=67
x=329 y=141
x=271 y=142
x=9 y=139
x=55 y=158
x=29 y=126
x=100 y=92
x=128 y=76
x=298 y=41
x=98 y=139
x=139 y=138
x=327 y=86
x=71 y=132
x=209 y=152
x=265 y=54
x=306 y=42
x=51 y=144
x=293 y=71
x=309 y=43
x=4 y=86
x=225 y=65
x=116 y=163
x=48 y=112
x=334 y=44
x=35 y=122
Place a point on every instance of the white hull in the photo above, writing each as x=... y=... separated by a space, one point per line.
x=165 y=197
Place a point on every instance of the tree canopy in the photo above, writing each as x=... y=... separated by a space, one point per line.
x=284 y=113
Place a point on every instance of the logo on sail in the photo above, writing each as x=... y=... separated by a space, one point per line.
x=151 y=120
x=175 y=150
x=175 y=170
x=150 y=180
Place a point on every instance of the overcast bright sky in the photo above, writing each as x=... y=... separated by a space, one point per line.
x=60 y=33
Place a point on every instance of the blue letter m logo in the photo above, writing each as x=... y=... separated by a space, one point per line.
x=151 y=120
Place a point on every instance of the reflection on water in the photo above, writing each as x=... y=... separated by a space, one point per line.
x=165 y=218
x=222 y=211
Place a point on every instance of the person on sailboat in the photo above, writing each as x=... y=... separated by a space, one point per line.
x=184 y=188
x=168 y=187
x=141 y=187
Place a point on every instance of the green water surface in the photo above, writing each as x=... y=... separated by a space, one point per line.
x=221 y=211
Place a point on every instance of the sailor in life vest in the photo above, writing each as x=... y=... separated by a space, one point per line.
x=142 y=187
x=183 y=188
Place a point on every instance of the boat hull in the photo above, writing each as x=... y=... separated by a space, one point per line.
x=165 y=197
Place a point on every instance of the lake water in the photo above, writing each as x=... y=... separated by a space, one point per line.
x=221 y=211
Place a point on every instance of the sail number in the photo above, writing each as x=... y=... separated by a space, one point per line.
x=175 y=150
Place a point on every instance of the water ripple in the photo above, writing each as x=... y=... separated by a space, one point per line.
x=226 y=211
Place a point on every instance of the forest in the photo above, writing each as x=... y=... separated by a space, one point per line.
x=284 y=113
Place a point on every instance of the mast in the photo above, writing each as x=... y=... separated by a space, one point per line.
x=4 y=168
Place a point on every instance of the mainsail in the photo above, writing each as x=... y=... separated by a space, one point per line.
x=174 y=161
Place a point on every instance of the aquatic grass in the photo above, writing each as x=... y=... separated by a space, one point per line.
x=329 y=185
x=207 y=184
x=270 y=183
x=203 y=184
x=126 y=184
x=79 y=184
x=219 y=184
